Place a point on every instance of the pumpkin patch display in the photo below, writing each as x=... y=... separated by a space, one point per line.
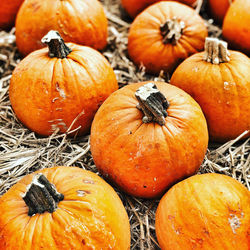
x=208 y=211
x=219 y=80
x=134 y=7
x=165 y=34
x=79 y=21
x=8 y=11
x=236 y=26
x=63 y=208
x=147 y=136
x=60 y=88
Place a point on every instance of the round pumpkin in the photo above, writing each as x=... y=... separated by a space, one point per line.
x=60 y=88
x=208 y=211
x=218 y=8
x=236 y=26
x=165 y=34
x=147 y=136
x=63 y=208
x=134 y=7
x=220 y=83
x=79 y=21
x=8 y=11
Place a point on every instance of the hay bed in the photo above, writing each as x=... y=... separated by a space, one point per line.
x=23 y=152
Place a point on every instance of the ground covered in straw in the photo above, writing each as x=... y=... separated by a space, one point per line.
x=22 y=152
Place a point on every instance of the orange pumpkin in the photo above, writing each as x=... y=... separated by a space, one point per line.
x=219 y=8
x=208 y=211
x=79 y=21
x=8 y=11
x=48 y=91
x=63 y=208
x=220 y=83
x=134 y=7
x=236 y=26
x=147 y=148
x=165 y=34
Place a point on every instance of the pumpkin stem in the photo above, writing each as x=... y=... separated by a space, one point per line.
x=152 y=103
x=171 y=30
x=216 y=51
x=41 y=196
x=57 y=47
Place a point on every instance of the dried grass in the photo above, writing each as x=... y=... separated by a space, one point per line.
x=22 y=152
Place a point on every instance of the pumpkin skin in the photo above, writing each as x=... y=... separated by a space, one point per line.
x=8 y=11
x=236 y=29
x=208 y=211
x=134 y=7
x=91 y=216
x=222 y=91
x=144 y=159
x=145 y=41
x=79 y=21
x=218 y=8
x=49 y=93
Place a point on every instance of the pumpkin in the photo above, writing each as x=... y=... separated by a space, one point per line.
x=134 y=7
x=60 y=88
x=220 y=83
x=8 y=11
x=218 y=8
x=147 y=136
x=236 y=28
x=63 y=208
x=79 y=21
x=165 y=34
x=208 y=211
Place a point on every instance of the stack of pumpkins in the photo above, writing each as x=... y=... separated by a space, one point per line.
x=145 y=137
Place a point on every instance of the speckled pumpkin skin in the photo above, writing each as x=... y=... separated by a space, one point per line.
x=91 y=216
x=222 y=91
x=50 y=93
x=146 y=159
x=78 y=21
x=204 y=212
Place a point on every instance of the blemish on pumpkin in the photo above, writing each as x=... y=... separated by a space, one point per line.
x=54 y=99
x=234 y=222
x=145 y=186
x=88 y=181
x=61 y=91
x=82 y=193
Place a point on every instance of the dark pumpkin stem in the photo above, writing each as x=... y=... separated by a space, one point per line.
x=216 y=51
x=152 y=103
x=171 y=30
x=57 y=47
x=41 y=196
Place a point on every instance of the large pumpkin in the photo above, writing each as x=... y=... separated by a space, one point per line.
x=220 y=83
x=209 y=211
x=63 y=208
x=219 y=8
x=165 y=34
x=51 y=89
x=8 y=11
x=79 y=21
x=145 y=139
x=134 y=7
x=236 y=26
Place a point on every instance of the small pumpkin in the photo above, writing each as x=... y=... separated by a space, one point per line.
x=63 y=208
x=147 y=136
x=79 y=21
x=236 y=26
x=219 y=80
x=134 y=7
x=218 y=8
x=208 y=211
x=165 y=34
x=8 y=11
x=51 y=89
